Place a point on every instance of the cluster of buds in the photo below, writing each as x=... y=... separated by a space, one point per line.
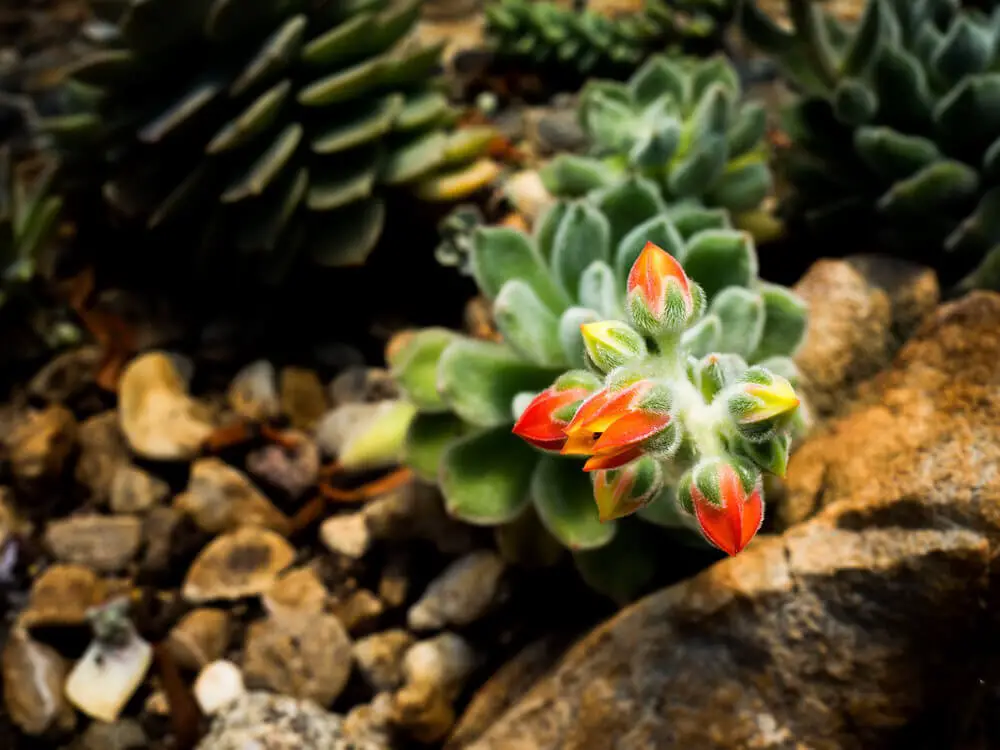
x=646 y=411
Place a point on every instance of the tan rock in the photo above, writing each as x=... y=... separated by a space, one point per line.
x=238 y=564
x=104 y=543
x=293 y=468
x=40 y=444
x=201 y=636
x=158 y=417
x=253 y=394
x=134 y=490
x=358 y=610
x=61 y=596
x=380 y=658
x=221 y=498
x=33 y=676
x=303 y=397
x=103 y=450
x=463 y=593
x=305 y=657
x=67 y=376
x=422 y=712
x=298 y=591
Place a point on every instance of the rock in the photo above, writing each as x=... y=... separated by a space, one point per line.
x=40 y=445
x=372 y=720
x=68 y=376
x=306 y=657
x=923 y=428
x=134 y=490
x=61 y=596
x=263 y=721
x=124 y=734
x=344 y=423
x=157 y=416
x=11 y=523
x=296 y=592
x=422 y=712
x=103 y=451
x=303 y=398
x=294 y=470
x=394 y=584
x=221 y=498
x=238 y=564
x=380 y=658
x=853 y=629
x=33 y=676
x=218 y=685
x=416 y=511
x=528 y=194
x=253 y=394
x=502 y=690
x=200 y=637
x=103 y=543
x=358 y=385
x=158 y=530
x=359 y=611
x=856 y=324
x=106 y=677
x=444 y=661
x=461 y=594
x=346 y=535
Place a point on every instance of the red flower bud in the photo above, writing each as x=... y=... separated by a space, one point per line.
x=543 y=421
x=727 y=499
x=659 y=293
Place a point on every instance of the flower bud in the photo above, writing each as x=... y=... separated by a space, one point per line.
x=717 y=371
x=610 y=344
x=726 y=497
x=771 y=455
x=543 y=422
x=761 y=404
x=660 y=296
x=621 y=492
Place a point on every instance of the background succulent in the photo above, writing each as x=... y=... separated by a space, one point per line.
x=270 y=127
x=898 y=129
x=543 y=287
x=558 y=41
x=679 y=123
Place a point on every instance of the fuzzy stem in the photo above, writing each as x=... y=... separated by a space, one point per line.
x=809 y=27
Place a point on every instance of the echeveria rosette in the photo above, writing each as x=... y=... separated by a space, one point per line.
x=653 y=402
x=897 y=133
x=574 y=270
x=679 y=122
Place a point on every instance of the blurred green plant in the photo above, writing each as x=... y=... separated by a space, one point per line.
x=273 y=128
x=680 y=124
x=543 y=287
x=897 y=133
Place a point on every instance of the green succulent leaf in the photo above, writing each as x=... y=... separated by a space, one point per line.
x=347 y=236
x=599 y=290
x=717 y=258
x=564 y=500
x=415 y=159
x=785 y=322
x=502 y=253
x=656 y=76
x=429 y=437
x=783 y=366
x=371 y=120
x=743 y=185
x=624 y=567
x=414 y=366
x=570 y=337
x=703 y=337
x=547 y=226
x=486 y=477
x=741 y=313
x=572 y=176
x=627 y=204
x=479 y=380
x=934 y=188
x=527 y=325
x=748 y=130
x=892 y=155
x=582 y=238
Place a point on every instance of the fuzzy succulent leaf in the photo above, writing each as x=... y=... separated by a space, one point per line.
x=528 y=325
x=564 y=501
x=502 y=253
x=429 y=436
x=717 y=259
x=584 y=236
x=573 y=176
x=624 y=567
x=414 y=366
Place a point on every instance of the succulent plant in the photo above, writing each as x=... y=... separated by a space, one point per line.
x=273 y=128
x=572 y=272
x=679 y=123
x=897 y=133
x=557 y=39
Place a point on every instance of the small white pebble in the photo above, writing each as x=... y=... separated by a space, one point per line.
x=218 y=684
x=346 y=535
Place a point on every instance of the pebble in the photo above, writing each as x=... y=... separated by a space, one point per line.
x=372 y=720
x=220 y=498
x=158 y=418
x=346 y=535
x=33 y=676
x=103 y=450
x=462 y=594
x=363 y=385
x=380 y=658
x=262 y=721
x=359 y=611
x=294 y=469
x=41 y=443
x=105 y=678
x=104 y=543
x=239 y=564
x=68 y=376
x=444 y=661
x=124 y=734
x=61 y=596
x=528 y=195
x=303 y=398
x=200 y=637
x=218 y=685
x=306 y=657
x=423 y=712
x=394 y=584
x=296 y=592
x=253 y=394
x=134 y=490
x=158 y=530
x=416 y=511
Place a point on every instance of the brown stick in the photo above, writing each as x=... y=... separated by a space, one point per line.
x=185 y=714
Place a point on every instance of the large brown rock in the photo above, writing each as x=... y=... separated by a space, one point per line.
x=867 y=626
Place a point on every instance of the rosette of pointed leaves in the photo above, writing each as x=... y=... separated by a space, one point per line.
x=557 y=39
x=898 y=129
x=572 y=271
x=271 y=127
x=677 y=122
